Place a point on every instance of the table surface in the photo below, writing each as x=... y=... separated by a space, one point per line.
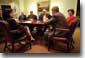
x=32 y=22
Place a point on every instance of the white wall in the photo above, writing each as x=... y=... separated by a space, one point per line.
x=64 y=5
x=30 y=5
x=21 y=5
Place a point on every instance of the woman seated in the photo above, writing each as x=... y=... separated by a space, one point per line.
x=19 y=30
x=70 y=17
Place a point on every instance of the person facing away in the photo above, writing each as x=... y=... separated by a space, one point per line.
x=44 y=16
x=70 y=18
x=32 y=16
x=58 y=19
x=21 y=30
x=22 y=17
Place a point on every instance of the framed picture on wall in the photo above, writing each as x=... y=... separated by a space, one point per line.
x=43 y=5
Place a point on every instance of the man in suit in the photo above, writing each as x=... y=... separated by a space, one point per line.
x=22 y=17
x=44 y=16
x=57 y=21
x=32 y=16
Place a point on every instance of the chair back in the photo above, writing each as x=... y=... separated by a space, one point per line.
x=73 y=26
x=5 y=30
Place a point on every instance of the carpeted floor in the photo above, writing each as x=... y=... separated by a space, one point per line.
x=41 y=48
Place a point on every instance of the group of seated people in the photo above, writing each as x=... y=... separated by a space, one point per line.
x=56 y=20
x=19 y=30
x=45 y=16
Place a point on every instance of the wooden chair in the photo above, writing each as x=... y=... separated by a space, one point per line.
x=8 y=39
x=65 y=38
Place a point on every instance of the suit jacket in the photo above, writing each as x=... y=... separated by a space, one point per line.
x=58 y=21
x=32 y=16
x=22 y=17
x=41 y=16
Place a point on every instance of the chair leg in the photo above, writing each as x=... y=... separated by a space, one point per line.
x=30 y=42
x=13 y=48
x=71 y=45
x=48 y=46
x=72 y=42
x=5 y=46
x=68 y=47
x=30 y=45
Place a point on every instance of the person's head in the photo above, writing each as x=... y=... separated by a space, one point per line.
x=31 y=12
x=10 y=13
x=44 y=11
x=22 y=13
x=55 y=10
x=70 y=12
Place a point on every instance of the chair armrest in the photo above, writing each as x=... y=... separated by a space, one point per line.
x=13 y=31
x=62 y=29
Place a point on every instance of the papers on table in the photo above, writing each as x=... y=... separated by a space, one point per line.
x=31 y=22
x=28 y=22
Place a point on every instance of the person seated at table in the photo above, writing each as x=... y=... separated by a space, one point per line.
x=0 y=14
x=70 y=17
x=57 y=21
x=21 y=30
x=22 y=17
x=44 y=16
x=32 y=16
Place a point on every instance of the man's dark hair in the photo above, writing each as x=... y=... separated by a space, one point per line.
x=7 y=13
x=56 y=8
x=72 y=10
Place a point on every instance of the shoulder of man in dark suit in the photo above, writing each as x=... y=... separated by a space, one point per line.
x=41 y=16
